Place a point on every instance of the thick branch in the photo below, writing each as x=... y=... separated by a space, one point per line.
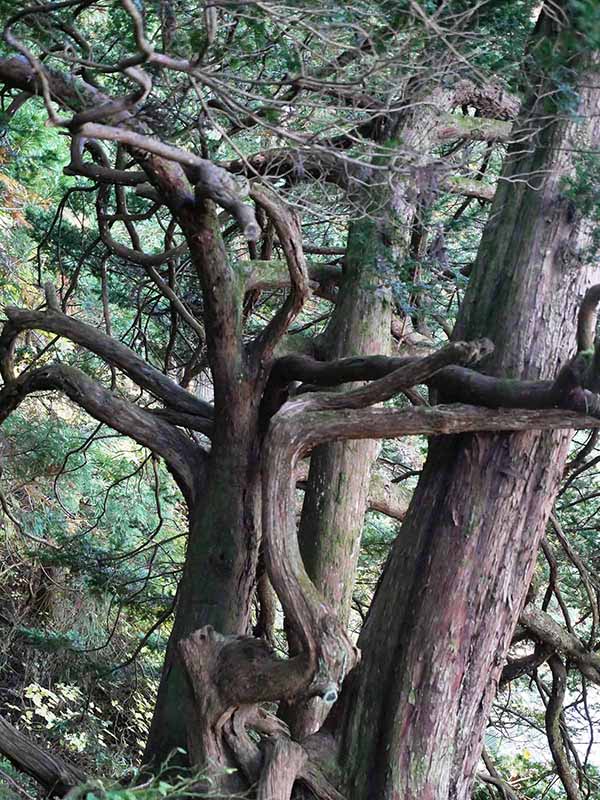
x=274 y=274
x=388 y=375
x=547 y=631
x=405 y=376
x=54 y=774
x=182 y=455
x=222 y=290
x=296 y=429
x=451 y=127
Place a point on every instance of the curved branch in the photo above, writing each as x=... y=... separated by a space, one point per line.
x=553 y=727
x=405 y=376
x=54 y=774
x=210 y=180
x=99 y=172
x=180 y=453
x=547 y=631
x=111 y=350
x=390 y=375
x=138 y=256
x=289 y=231
x=297 y=428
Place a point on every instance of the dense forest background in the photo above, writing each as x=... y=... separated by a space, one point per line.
x=366 y=142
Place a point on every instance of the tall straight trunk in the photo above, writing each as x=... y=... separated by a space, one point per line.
x=414 y=713
x=335 y=501
x=336 y=495
x=339 y=476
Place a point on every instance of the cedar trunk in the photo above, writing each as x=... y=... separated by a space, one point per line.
x=414 y=713
x=217 y=584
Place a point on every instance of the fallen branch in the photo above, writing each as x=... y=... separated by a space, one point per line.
x=54 y=774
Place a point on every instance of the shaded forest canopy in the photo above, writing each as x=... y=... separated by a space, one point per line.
x=300 y=399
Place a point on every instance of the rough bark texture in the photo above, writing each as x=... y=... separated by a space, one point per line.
x=339 y=476
x=442 y=618
x=340 y=473
x=219 y=572
x=55 y=775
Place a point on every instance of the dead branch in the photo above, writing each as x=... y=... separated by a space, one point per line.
x=54 y=774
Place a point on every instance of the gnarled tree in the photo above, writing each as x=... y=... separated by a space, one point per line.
x=407 y=717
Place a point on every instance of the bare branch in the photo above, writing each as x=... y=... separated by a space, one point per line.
x=289 y=232
x=553 y=727
x=547 y=631
x=209 y=179
x=54 y=774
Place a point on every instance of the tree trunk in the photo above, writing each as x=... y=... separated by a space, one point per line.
x=220 y=568
x=336 y=495
x=339 y=476
x=414 y=713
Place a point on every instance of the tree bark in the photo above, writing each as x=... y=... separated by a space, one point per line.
x=224 y=513
x=339 y=477
x=336 y=496
x=54 y=774
x=414 y=712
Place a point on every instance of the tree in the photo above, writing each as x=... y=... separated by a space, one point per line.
x=411 y=715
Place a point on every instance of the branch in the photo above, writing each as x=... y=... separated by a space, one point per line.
x=210 y=180
x=181 y=454
x=451 y=127
x=289 y=232
x=294 y=431
x=109 y=349
x=496 y=779
x=323 y=165
x=524 y=665
x=412 y=372
x=54 y=774
x=284 y=760
x=102 y=173
x=168 y=166
x=222 y=290
x=469 y=187
x=553 y=727
x=274 y=274
x=547 y=631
